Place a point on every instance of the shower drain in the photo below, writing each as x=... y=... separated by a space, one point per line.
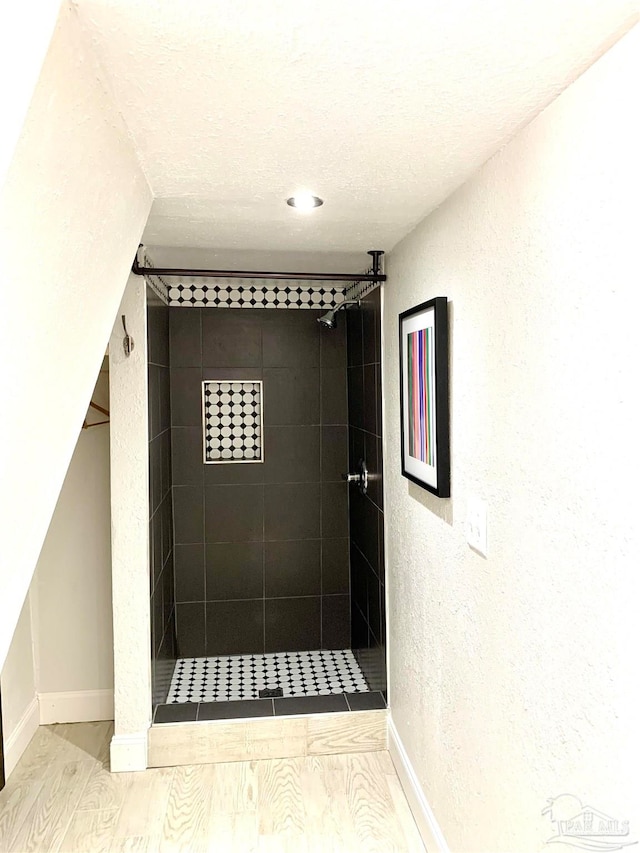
x=270 y=693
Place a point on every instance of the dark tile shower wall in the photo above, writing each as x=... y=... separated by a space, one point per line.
x=261 y=549
x=368 y=629
x=163 y=641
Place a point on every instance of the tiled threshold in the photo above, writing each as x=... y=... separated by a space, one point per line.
x=190 y=712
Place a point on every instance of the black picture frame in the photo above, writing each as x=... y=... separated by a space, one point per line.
x=424 y=395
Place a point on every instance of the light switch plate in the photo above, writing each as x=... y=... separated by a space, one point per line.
x=476 y=525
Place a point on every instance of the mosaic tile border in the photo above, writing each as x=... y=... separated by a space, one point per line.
x=251 y=293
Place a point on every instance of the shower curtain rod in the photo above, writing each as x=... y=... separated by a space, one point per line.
x=374 y=276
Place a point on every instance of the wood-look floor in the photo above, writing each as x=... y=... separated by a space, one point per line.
x=61 y=797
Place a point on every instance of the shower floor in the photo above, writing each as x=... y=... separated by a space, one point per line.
x=224 y=679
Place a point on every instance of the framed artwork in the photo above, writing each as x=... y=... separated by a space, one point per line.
x=424 y=395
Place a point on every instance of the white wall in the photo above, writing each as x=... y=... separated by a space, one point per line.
x=71 y=589
x=20 y=712
x=24 y=37
x=514 y=678
x=59 y=667
x=72 y=210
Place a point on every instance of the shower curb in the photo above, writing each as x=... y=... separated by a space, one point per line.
x=172 y=744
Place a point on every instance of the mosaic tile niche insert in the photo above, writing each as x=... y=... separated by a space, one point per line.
x=232 y=416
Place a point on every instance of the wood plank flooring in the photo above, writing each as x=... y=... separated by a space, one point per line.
x=61 y=797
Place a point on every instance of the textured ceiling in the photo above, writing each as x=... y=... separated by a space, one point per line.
x=381 y=108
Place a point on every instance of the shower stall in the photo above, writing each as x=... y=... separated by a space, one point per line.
x=267 y=558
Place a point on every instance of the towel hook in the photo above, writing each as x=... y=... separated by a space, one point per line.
x=128 y=342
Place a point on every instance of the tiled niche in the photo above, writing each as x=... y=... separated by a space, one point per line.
x=232 y=430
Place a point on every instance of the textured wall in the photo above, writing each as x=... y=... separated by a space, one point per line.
x=24 y=39
x=71 y=213
x=513 y=678
x=130 y=526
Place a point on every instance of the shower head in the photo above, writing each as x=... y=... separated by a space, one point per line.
x=328 y=320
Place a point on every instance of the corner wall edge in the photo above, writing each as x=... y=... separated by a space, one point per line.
x=20 y=738
x=129 y=752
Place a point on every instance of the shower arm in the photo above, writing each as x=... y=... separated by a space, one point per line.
x=375 y=276
x=346 y=302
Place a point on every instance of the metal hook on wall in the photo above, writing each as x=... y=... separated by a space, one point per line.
x=128 y=342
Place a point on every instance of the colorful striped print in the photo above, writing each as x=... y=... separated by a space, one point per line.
x=419 y=395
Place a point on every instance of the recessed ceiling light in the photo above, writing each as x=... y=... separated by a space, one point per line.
x=304 y=201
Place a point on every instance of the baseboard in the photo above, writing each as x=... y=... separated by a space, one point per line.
x=129 y=752
x=81 y=706
x=20 y=738
x=430 y=832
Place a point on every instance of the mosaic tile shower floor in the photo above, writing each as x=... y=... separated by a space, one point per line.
x=220 y=679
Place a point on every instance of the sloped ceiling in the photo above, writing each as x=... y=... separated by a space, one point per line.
x=383 y=109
